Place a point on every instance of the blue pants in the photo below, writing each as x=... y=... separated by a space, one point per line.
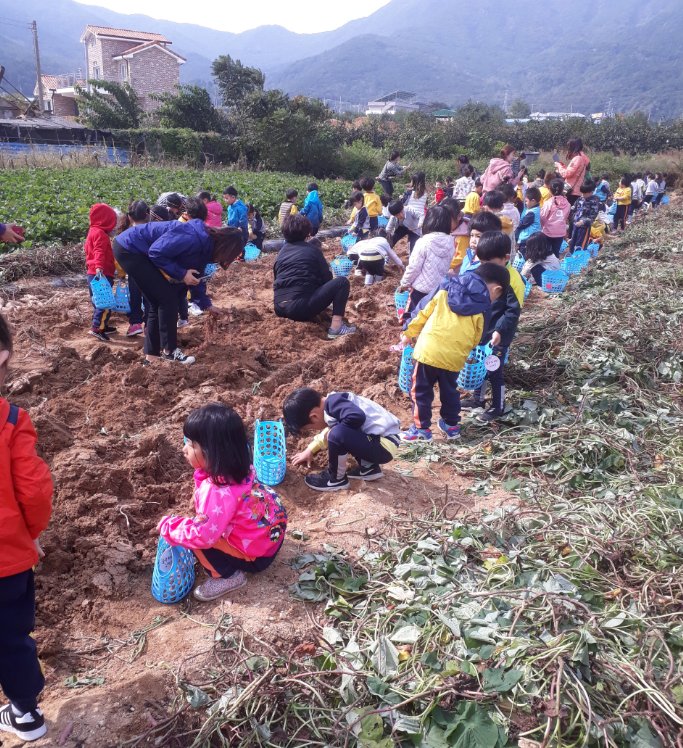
x=425 y=377
x=367 y=449
x=136 y=315
x=100 y=317
x=556 y=245
x=496 y=378
x=580 y=238
x=21 y=677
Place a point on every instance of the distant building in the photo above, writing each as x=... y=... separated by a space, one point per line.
x=59 y=95
x=540 y=116
x=398 y=101
x=446 y=115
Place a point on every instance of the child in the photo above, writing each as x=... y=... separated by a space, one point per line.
x=371 y=202
x=494 y=247
x=510 y=211
x=385 y=200
x=635 y=198
x=440 y=194
x=25 y=508
x=623 y=198
x=473 y=200
x=464 y=185
x=603 y=191
x=288 y=208
x=554 y=215
x=350 y=424
x=493 y=202
x=361 y=224
x=214 y=209
x=99 y=258
x=404 y=221
x=545 y=189
x=530 y=221
x=372 y=255
x=450 y=186
x=257 y=227
x=662 y=189
x=430 y=260
x=416 y=194
x=390 y=171
x=173 y=202
x=240 y=524
x=651 y=191
x=540 y=256
x=194 y=208
x=584 y=211
x=313 y=208
x=478 y=226
x=459 y=230
x=137 y=214
x=449 y=323
x=237 y=215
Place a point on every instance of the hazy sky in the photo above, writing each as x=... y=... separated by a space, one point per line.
x=303 y=16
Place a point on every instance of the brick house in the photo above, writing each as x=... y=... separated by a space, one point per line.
x=58 y=93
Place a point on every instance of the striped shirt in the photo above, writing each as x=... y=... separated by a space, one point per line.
x=391 y=170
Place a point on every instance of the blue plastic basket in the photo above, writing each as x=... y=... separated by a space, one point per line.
x=405 y=374
x=518 y=264
x=571 y=265
x=583 y=257
x=341 y=266
x=348 y=241
x=554 y=281
x=527 y=289
x=473 y=373
x=564 y=246
x=173 y=574
x=270 y=452
x=401 y=301
x=102 y=295
x=251 y=252
x=664 y=200
x=593 y=249
x=122 y=298
x=382 y=222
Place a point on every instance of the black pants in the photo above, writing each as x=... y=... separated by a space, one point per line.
x=537 y=273
x=620 y=216
x=136 y=316
x=183 y=304
x=21 y=678
x=224 y=565
x=304 y=309
x=161 y=296
x=402 y=231
x=414 y=298
x=365 y=448
x=387 y=186
x=314 y=230
x=496 y=377
x=372 y=267
x=556 y=244
x=580 y=238
x=425 y=377
x=632 y=207
x=260 y=236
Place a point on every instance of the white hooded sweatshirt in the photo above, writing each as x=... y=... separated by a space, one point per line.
x=429 y=262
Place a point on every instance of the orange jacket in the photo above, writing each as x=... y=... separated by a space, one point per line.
x=25 y=491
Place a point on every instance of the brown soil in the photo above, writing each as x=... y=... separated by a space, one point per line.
x=111 y=432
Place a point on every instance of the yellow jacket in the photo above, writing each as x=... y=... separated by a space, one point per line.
x=623 y=196
x=472 y=204
x=451 y=323
x=517 y=283
x=462 y=244
x=508 y=226
x=598 y=230
x=545 y=195
x=373 y=204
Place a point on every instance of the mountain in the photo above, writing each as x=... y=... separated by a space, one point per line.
x=553 y=54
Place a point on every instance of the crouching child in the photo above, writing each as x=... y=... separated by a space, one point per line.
x=348 y=424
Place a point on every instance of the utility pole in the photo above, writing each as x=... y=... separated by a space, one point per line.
x=34 y=29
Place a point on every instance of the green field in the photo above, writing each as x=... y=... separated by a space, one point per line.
x=52 y=204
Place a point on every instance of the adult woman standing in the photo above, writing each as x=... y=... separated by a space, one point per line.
x=390 y=171
x=158 y=256
x=304 y=285
x=500 y=170
x=574 y=173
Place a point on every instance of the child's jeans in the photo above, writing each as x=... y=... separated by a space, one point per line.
x=402 y=231
x=555 y=245
x=620 y=216
x=496 y=379
x=100 y=317
x=223 y=560
x=136 y=316
x=580 y=238
x=367 y=449
x=425 y=378
x=414 y=298
x=21 y=677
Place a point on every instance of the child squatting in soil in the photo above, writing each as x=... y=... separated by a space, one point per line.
x=25 y=509
x=349 y=424
x=240 y=524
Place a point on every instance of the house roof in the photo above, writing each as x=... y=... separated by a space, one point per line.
x=51 y=83
x=444 y=113
x=141 y=36
x=397 y=96
x=147 y=45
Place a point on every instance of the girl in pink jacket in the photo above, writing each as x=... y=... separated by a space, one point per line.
x=575 y=173
x=554 y=214
x=214 y=209
x=240 y=524
x=500 y=170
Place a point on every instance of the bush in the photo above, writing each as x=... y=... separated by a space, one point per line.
x=360 y=159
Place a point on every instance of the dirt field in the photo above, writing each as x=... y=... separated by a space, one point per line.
x=111 y=431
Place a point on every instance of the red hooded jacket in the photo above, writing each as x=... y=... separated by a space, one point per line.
x=98 y=251
x=25 y=491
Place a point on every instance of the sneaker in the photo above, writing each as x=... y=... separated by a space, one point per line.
x=451 y=432
x=182 y=323
x=366 y=472
x=109 y=330
x=100 y=335
x=343 y=330
x=359 y=272
x=178 y=356
x=215 y=588
x=29 y=726
x=416 y=435
x=194 y=309
x=134 y=330
x=326 y=482
x=471 y=404
x=492 y=414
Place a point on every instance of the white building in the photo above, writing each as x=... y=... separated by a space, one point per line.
x=540 y=116
x=398 y=101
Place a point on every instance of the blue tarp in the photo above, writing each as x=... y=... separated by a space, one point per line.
x=115 y=155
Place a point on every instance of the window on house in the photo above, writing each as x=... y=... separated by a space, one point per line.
x=92 y=41
x=123 y=71
x=95 y=72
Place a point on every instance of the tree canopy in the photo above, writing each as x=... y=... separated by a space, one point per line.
x=187 y=106
x=520 y=109
x=235 y=81
x=110 y=105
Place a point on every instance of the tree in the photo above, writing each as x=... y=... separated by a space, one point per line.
x=111 y=106
x=479 y=113
x=188 y=106
x=235 y=81
x=520 y=109
x=435 y=106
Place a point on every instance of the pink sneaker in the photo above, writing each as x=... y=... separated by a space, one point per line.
x=215 y=588
x=134 y=330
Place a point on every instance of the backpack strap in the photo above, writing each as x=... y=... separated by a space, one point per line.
x=13 y=415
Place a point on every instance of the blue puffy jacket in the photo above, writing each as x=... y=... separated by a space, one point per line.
x=530 y=223
x=237 y=216
x=313 y=209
